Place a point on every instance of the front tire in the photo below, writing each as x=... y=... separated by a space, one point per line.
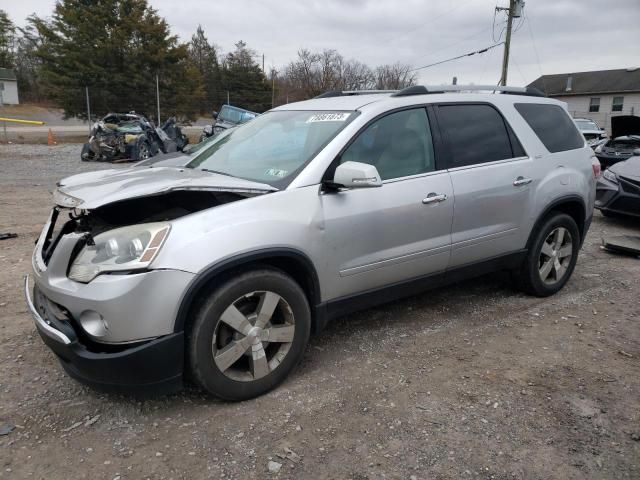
x=552 y=256
x=249 y=334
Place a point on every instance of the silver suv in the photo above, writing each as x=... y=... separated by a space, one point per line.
x=218 y=265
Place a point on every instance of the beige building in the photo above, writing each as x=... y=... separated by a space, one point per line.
x=596 y=95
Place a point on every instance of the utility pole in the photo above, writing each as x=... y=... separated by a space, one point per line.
x=86 y=91
x=513 y=11
x=273 y=88
x=158 y=98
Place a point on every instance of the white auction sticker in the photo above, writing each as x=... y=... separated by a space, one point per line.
x=328 y=117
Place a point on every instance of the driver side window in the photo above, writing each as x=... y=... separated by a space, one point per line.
x=398 y=145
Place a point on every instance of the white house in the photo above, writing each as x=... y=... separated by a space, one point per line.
x=8 y=87
x=596 y=95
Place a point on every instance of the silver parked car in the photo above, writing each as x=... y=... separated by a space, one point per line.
x=220 y=265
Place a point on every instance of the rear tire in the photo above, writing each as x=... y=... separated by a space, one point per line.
x=249 y=334
x=86 y=155
x=552 y=256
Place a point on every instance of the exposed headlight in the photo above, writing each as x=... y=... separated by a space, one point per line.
x=609 y=175
x=127 y=248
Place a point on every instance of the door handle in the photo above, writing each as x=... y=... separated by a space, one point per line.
x=520 y=181
x=434 y=198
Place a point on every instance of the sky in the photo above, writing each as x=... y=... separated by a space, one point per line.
x=553 y=36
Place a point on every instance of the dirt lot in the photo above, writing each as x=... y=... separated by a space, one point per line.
x=471 y=381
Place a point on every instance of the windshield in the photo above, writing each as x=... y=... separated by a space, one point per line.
x=273 y=148
x=586 y=125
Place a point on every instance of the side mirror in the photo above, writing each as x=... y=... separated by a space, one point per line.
x=214 y=115
x=357 y=175
x=636 y=152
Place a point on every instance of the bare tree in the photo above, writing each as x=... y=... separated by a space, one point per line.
x=313 y=73
x=394 y=77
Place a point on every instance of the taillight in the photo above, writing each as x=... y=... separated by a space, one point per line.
x=595 y=165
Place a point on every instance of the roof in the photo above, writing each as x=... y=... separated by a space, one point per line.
x=385 y=101
x=584 y=83
x=350 y=102
x=7 y=74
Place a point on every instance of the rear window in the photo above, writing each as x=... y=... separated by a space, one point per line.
x=552 y=125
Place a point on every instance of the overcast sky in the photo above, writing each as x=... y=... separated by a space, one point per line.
x=568 y=35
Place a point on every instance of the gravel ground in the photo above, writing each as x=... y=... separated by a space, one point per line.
x=40 y=165
x=470 y=381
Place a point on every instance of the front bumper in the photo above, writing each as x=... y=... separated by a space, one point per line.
x=153 y=366
x=622 y=197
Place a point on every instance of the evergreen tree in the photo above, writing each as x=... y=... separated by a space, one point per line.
x=243 y=78
x=7 y=41
x=115 y=48
x=205 y=58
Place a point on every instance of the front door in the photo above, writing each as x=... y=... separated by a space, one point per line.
x=377 y=237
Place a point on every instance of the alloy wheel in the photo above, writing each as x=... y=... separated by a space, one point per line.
x=555 y=255
x=253 y=336
x=144 y=151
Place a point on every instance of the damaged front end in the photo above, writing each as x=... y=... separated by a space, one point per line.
x=97 y=300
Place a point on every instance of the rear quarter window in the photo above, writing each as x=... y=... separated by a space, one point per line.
x=552 y=125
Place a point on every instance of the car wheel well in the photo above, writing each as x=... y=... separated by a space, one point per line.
x=572 y=207
x=297 y=268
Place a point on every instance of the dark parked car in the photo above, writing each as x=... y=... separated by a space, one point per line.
x=228 y=117
x=618 y=189
x=130 y=136
x=625 y=138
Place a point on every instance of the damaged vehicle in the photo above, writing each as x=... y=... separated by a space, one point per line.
x=591 y=132
x=618 y=189
x=228 y=117
x=625 y=138
x=218 y=265
x=131 y=137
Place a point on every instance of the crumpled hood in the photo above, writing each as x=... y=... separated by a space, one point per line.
x=629 y=168
x=94 y=189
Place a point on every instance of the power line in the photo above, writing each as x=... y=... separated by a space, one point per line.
x=459 y=56
x=456 y=43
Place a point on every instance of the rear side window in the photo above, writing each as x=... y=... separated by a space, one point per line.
x=476 y=134
x=552 y=125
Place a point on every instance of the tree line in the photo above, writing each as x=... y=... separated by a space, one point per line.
x=117 y=50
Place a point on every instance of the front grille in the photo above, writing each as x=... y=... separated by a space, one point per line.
x=627 y=204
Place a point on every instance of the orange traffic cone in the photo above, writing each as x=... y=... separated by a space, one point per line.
x=50 y=138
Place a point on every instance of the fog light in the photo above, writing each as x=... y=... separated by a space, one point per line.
x=93 y=323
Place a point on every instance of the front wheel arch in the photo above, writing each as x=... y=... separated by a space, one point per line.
x=294 y=263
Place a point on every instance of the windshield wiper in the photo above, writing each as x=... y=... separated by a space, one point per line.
x=217 y=171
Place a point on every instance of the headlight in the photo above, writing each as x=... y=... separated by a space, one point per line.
x=127 y=248
x=208 y=129
x=598 y=149
x=609 y=175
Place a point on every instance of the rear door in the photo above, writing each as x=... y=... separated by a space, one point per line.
x=492 y=182
x=376 y=237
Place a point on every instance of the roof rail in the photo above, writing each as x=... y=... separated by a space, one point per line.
x=423 y=90
x=346 y=93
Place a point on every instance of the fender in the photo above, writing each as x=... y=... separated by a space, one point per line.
x=256 y=256
x=552 y=206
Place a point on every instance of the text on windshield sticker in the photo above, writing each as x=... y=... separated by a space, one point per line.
x=328 y=117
